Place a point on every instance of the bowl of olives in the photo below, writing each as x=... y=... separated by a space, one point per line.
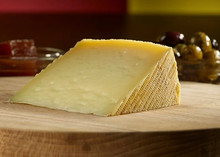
x=198 y=58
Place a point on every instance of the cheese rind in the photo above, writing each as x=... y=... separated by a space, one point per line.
x=106 y=77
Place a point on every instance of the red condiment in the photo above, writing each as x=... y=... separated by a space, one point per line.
x=24 y=48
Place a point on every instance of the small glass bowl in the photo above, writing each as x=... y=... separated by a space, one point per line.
x=207 y=71
x=28 y=66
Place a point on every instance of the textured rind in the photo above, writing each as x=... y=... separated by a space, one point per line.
x=161 y=88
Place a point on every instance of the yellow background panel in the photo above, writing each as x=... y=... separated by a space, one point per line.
x=194 y=7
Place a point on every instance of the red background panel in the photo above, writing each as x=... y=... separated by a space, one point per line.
x=62 y=6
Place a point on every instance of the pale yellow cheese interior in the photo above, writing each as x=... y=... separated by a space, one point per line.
x=98 y=77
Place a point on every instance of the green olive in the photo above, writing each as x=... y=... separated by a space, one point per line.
x=213 y=77
x=202 y=40
x=209 y=70
x=176 y=53
x=208 y=73
x=192 y=53
x=212 y=54
x=180 y=48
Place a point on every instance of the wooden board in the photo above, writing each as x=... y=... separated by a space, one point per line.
x=189 y=129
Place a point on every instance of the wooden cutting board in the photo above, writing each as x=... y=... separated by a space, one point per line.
x=189 y=129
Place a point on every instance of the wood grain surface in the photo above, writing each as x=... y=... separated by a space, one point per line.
x=189 y=129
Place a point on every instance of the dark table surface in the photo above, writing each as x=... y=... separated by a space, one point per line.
x=64 y=30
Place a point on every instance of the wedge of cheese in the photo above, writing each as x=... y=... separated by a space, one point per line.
x=106 y=78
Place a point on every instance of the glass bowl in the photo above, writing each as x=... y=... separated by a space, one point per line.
x=28 y=66
x=207 y=71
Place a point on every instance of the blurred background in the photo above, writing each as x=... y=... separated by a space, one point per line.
x=61 y=23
